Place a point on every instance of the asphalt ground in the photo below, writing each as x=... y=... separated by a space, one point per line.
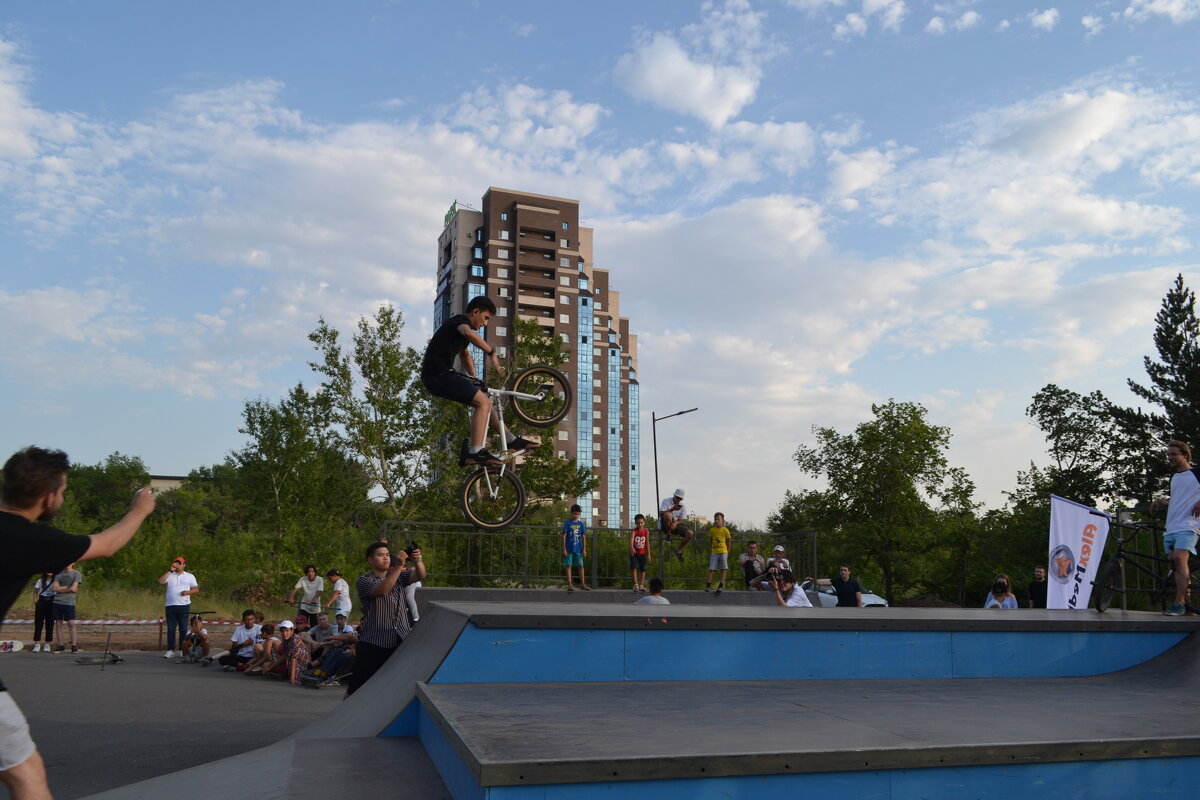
x=149 y=716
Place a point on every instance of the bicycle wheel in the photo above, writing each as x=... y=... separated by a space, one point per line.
x=1105 y=588
x=492 y=499
x=555 y=391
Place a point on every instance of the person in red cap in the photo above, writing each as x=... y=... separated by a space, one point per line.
x=181 y=585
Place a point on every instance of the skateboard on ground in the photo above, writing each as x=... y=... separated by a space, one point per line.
x=11 y=646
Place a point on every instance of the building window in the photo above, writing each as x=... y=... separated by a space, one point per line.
x=502 y=291
x=564 y=318
x=564 y=262
x=501 y=253
x=502 y=311
x=504 y=216
x=566 y=337
x=501 y=272
x=477 y=270
x=596 y=463
x=562 y=435
x=478 y=252
x=504 y=235
x=595 y=446
x=595 y=415
x=583 y=340
x=562 y=453
x=583 y=283
x=597 y=305
x=564 y=300
x=564 y=243
x=565 y=280
x=566 y=226
x=583 y=302
x=502 y=331
x=599 y=383
x=595 y=430
x=502 y=351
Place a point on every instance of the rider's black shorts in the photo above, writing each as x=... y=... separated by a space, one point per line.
x=451 y=386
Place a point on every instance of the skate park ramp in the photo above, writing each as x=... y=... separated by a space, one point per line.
x=581 y=699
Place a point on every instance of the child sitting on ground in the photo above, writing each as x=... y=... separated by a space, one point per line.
x=266 y=652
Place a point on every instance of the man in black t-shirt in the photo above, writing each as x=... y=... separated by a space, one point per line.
x=848 y=590
x=34 y=483
x=1037 y=589
x=437 y=373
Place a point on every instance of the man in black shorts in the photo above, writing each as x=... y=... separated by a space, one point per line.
x=34 y=483
x=437 y=373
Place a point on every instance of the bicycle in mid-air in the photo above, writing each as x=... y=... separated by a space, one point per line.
x=493 y=496
x=1161 y=588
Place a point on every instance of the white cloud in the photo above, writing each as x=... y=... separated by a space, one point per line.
x=1177 y=11
x=969 y=20
x=1091 y=25
x=853 y=24
x=710 y=70
x=523 y=29
x=889 y=14
x=936 y=26
x=1043 y=20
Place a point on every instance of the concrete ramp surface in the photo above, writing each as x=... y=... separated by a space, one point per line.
x=498 y=700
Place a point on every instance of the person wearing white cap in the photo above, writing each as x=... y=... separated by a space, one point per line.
x=672 y=521
x=777 y=559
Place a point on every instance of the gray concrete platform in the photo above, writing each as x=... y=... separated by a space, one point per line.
x=530 y=734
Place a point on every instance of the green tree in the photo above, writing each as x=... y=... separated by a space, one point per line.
x=378 y=410
x=880 y=480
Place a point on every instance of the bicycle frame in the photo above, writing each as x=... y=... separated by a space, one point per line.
x=498 y=396
x=1123 y=556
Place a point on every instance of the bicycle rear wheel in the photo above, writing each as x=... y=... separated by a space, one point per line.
x=1106 y=587
x=556 y=396
x=492 y=499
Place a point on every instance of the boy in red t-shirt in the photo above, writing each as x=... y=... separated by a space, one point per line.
x=639 y=552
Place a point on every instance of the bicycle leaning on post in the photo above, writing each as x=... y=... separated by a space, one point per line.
x=493 y=496
x=1111 y=579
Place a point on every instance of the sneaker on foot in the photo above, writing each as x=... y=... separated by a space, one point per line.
x=679 y=555
x=74 y=650
x=708 y=587
x=521 y=443
x=169 y=654
x=570 y=587
x=482 y=457
x=58 y=648
x=585 y=587
x=720 y=588
x=230 y=668
x=204 y=662
x=36 y=647
x=1176 y=610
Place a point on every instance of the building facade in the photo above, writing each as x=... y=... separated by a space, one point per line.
x=529 y=254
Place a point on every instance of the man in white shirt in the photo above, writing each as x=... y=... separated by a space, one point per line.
x=1183 y=520
x=672 y=521
x=181 y=585
x=340 y=602
x=241 y=645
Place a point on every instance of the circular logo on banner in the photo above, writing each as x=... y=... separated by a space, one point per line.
x=1062 y=564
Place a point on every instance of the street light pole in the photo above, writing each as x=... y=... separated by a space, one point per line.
x=658 y=492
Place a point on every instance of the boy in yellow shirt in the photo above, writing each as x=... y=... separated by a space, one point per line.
x=718 y=559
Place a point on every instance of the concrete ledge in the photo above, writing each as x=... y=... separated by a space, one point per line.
x=600 y=615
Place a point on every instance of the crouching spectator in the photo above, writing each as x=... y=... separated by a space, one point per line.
x=266 y=652
x=241 y=644
x=787 y=593
x=294 y=654
x=195 y=643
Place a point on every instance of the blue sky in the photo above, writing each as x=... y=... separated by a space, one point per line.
x=808 y=206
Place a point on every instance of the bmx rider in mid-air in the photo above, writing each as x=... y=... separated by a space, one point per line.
x=450 y=341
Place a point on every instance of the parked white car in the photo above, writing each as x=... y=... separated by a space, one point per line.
x=824 y=596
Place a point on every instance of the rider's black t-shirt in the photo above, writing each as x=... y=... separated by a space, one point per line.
x=1037 y=593
x=444 y=346
x=27 y=548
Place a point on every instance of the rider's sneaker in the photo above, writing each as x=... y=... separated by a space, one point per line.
x=1176 y=610
x=521 y=443
x=679 y=555
x=482 y=456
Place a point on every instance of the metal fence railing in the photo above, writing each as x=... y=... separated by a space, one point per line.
x=529 y=556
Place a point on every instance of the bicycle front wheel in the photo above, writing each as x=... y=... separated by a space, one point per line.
x=1107 y=586
x=492 y=499
x=553 y=389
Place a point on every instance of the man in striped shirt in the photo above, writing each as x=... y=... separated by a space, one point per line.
x=385 y=613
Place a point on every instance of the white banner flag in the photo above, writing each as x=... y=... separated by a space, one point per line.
x=1077 y=537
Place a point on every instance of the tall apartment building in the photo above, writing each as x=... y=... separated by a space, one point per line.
x=528 y=253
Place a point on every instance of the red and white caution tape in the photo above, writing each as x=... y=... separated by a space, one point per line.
x=114 y=622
